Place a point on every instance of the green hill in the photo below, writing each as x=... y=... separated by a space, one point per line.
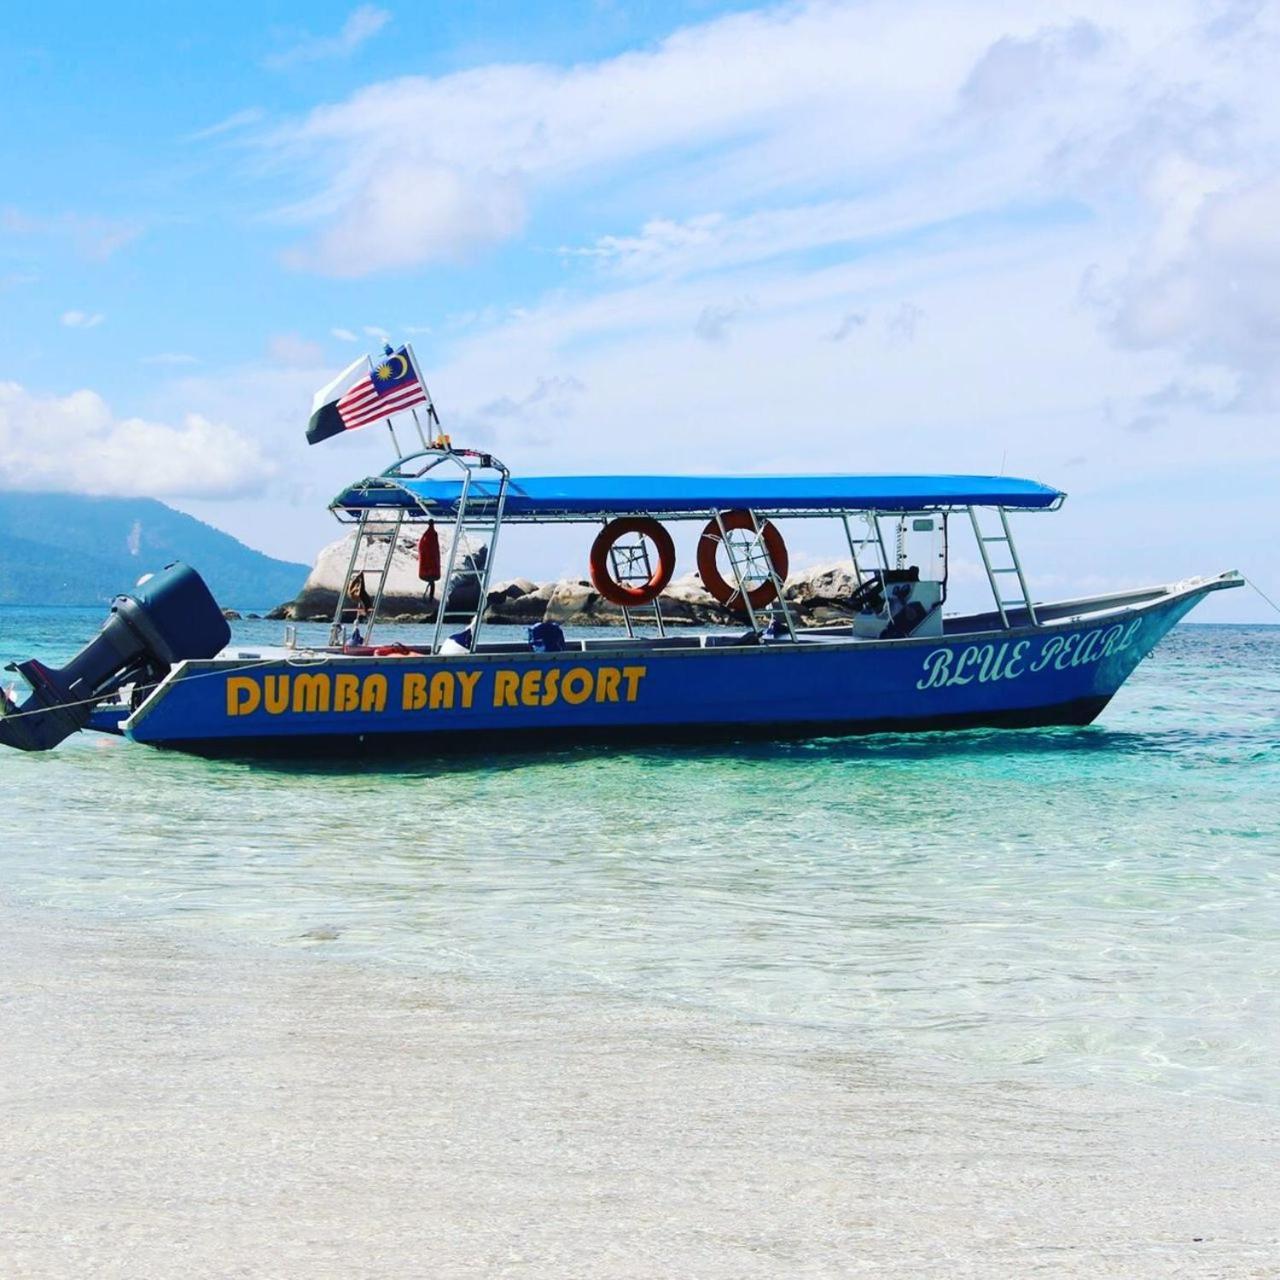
x=62 y=548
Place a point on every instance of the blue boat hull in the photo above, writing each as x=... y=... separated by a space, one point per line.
x=1060 y=674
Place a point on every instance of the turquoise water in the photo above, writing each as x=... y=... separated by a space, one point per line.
x=1095 y=903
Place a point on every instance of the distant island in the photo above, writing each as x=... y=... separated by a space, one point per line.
x=68 y=549
x=63 y=548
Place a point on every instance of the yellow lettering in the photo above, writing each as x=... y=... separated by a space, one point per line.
x=549 y=687
x=607 y=681
x=277 y=694
x=346 y=692
x=576 y=686
x=373 y=693
x=633 y=676
x=413 y=693
x=442 y=689
x=311 y=692
x=243 y=696
x=505 y=684
x=530 y=687
x=467 y=681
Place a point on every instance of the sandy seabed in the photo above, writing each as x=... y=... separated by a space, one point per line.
x=170 y=1109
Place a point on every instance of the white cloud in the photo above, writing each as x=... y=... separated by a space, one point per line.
x=413 y=213
x=81 y=319
x=428 y=169
x=849 y=324
x=1015 y=70
x=904 y=321
x=229 y=124
x=715 y=319
x=1210 y=286
x=717 y=241
x=295 y=351
x=76 y=443
x=927 y=235
x=92 y=237
x=362 y=24
x=344 y=335
x=534 y=418
x=793 y=127
x=169 y=358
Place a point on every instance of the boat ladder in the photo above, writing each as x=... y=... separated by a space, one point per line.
x=751 y=563
x=373 y=528
x=1000 y=574
x=464 y=587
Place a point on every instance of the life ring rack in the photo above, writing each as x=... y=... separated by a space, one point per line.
x=600 y=562
x=728 y=594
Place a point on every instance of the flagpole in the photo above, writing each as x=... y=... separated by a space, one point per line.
x=395 y=444
x=416 y=423
x=422 y=382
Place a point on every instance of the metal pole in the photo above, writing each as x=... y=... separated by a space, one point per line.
x=617 y=573
x=416 y=423
x=336 y=628
x=422 y=382
x=492 y=553
x=986 y=562
x=1017 y=564
x=853 y=554
x=773 y=577
x=447 y=581
x=737 y=573
x=382 y=580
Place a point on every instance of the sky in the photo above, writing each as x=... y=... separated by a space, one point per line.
x=1040 y=239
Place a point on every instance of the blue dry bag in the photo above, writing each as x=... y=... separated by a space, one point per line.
x=547 y=637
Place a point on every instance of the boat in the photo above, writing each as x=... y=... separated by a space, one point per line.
x=164 y=672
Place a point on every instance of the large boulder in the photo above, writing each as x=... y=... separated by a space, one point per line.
x=687 y=602
x=817 y=595
x=518 y=603
x=579 y=604
x=403 y=593
x=821 y=593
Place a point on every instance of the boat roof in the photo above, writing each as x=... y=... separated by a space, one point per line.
x=592 y=497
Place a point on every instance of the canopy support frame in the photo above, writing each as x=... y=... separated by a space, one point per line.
x=739 y=574
x=994 y=571
x=623 y=559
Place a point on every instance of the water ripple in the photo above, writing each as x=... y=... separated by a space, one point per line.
x=1095 y=902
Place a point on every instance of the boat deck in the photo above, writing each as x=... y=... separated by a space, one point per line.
x=971 y=624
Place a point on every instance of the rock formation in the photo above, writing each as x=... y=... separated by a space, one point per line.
x=403 y=593
x=818 y=595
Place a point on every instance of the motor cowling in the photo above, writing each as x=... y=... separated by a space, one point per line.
x=169 y=617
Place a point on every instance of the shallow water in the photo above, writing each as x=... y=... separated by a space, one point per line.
x=1067 y=904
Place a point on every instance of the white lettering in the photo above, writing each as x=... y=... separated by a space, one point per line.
x=1015 y=659
x=936 y=667
x=988 y=663
x=967 y=659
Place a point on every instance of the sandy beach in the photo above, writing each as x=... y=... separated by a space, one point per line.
x=170 y=1108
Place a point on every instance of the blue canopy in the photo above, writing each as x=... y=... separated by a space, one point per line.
x=593 y=497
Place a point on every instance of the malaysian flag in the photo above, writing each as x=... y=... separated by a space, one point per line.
x=391 y=386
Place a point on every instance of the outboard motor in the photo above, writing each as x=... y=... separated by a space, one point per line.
x=169 y=616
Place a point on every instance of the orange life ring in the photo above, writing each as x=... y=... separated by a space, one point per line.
x=629 y=597
x=709 y=570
